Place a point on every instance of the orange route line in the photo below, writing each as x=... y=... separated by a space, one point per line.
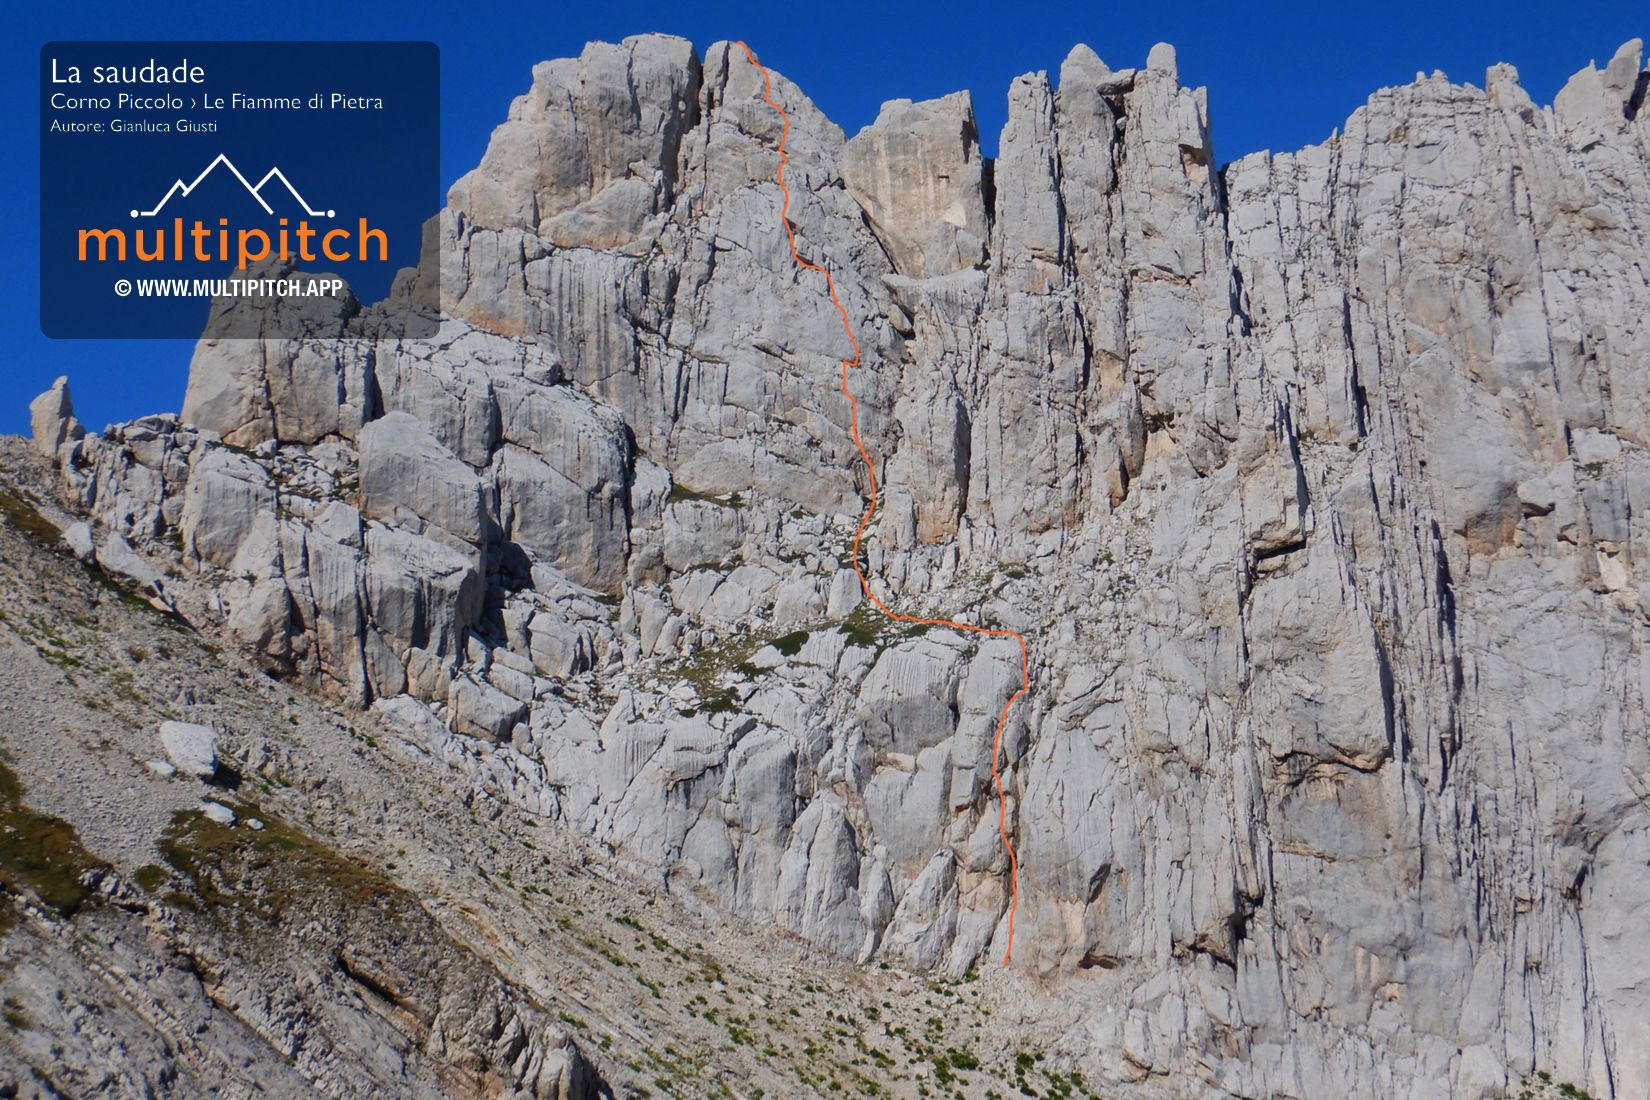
x=871 y=507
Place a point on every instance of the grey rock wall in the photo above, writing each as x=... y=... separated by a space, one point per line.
x=1316 y=482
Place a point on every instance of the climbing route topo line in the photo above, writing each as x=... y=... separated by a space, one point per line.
x=871 y=507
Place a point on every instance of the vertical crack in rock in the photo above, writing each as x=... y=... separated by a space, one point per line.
x=1323 y=475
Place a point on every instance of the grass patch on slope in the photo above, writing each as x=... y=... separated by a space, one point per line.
x=41 y=854
x=22 y=517
x=266 y=871
x=866 y=626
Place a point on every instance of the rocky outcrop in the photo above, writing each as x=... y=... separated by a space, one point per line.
x=409 y=479
x=1595 y=104
x=1316 y=482
x=917 y=172
x=590 y=153
x=52 y=419
x=191 y=747
x=331 y=982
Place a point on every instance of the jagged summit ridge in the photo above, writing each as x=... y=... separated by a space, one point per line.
x=1316 y=478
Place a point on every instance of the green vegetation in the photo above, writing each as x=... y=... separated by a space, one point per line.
x=1548 y=1087
x=41 y=854
x=149 y=876
x=724 y=701
x=866 y=626
x=16 y=1018
x=1063 y=1086
x=27 y=521
x=680 y=494
x=125 y=595
x=705 y=668
x=267 y=871
x=791 y=644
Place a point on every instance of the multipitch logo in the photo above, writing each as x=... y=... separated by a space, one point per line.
x=225 y=241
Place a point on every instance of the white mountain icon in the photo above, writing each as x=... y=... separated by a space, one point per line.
x=256 y=191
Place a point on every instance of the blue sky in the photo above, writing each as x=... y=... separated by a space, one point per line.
x=1280 y=76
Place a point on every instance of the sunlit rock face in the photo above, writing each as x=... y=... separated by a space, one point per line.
x=1317 y=481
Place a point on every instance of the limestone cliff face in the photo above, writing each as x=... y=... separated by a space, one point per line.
x=1317 y=481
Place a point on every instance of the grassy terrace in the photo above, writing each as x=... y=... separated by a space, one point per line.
x=41 y=854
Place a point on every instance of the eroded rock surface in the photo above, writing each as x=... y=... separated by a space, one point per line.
x=1317 y=482
x=917 y=172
